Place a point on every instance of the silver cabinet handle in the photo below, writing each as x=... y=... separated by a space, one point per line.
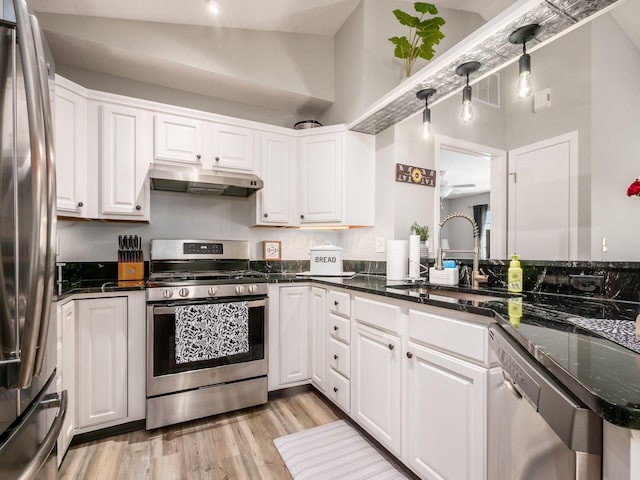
x=335 y=357
x=391 y=346
x=409 y=355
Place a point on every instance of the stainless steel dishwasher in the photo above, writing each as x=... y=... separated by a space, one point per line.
x=544 y=431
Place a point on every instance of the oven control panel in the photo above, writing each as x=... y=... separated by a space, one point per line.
x=203 y=248
x=159 y=294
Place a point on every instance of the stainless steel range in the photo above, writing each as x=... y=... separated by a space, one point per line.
x=206 y=330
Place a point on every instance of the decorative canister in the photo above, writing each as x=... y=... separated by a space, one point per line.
x=326 y=260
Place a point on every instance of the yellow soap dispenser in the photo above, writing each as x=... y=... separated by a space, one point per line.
x=514 y=274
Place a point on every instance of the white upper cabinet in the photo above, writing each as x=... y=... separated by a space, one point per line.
x=274 y=199
x=178 y=140
x=124 y=165
x=70 y=131
x=320 y=159
x=233 y=148
x=336 y=177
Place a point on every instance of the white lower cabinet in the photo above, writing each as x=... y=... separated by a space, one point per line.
x=377 y=394
x=67 y=373
x=102 y=360
x=317 y=319
x=446 y=415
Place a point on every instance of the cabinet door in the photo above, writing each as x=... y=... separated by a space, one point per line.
x=102 y=360
x=321 y=178
x=68 y=367
x=446 y=416
x=178 y=139
x=70 y=130
x=317 y=320
x=233 y=147
x=276 y=167
x=124 y=168
x=294 y=338
x=376 y=381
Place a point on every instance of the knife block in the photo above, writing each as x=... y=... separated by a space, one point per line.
x=130 y=271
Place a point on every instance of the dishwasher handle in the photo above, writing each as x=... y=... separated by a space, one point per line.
x=575 y=424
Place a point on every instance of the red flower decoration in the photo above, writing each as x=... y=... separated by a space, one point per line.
x=634 y=188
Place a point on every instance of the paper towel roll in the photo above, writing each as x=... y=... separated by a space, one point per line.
x=414 y=256
x=397 y=259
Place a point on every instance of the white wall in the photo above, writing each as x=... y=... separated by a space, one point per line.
x=176 y=215
x=365 y=67
x=615 y=142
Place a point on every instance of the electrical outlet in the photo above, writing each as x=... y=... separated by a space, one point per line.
x=380 y=244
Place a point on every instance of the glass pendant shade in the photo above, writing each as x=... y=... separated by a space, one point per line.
x=524 y=82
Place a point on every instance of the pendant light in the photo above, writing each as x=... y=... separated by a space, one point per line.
x=464 y=70
x=426 y=114
x=521 y=36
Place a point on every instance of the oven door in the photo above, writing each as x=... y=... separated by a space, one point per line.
x=168 y=372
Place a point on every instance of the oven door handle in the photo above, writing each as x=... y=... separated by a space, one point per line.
x=170 y=310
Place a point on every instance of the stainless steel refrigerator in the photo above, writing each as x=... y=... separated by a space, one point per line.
x=31 y=412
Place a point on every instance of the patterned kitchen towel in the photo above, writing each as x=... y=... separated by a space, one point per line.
x=207 y=332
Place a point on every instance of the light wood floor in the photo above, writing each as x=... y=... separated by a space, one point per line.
x=238 y=445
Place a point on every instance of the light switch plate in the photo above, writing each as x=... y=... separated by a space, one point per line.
x=380 y=243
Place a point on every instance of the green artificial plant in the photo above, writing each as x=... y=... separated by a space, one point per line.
x=423 y=35
x=422 y=230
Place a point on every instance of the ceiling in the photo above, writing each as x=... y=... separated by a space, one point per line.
x=105 y=37
x=457 y=168
x=319 y=17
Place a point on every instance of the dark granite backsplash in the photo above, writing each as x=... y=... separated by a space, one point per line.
x=613 y=280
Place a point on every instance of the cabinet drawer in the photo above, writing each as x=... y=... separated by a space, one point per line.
x=377 y=314
x=461 y=338
x=339 y=303
x=339 y=390
x=339 y=327
x=339 y=357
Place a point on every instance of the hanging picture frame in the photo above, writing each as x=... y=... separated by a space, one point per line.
x=272 y=250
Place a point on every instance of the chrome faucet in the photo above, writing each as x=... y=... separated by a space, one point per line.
x=476 y=276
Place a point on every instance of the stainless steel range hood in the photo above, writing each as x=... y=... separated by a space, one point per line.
x=197 y=181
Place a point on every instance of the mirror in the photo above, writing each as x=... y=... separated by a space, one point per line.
x=559 y=167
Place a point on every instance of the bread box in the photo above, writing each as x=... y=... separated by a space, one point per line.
x=326 y=260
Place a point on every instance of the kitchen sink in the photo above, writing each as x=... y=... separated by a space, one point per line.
x=446 y=295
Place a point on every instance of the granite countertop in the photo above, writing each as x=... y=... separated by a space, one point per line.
x=565 y=333
x=98 y=286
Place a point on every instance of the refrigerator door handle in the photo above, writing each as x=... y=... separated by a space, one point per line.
x=50 y=181
x=35 y=464
x=38 y=242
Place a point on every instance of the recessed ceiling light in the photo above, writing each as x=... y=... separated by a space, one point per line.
x=214 y=6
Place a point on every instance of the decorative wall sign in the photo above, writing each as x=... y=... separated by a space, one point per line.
x=415 y=175
x=272 y=250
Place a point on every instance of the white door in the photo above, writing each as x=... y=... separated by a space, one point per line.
x=276 y=167
x=67 y=318
x=71 y=152
x=321 y=178
x=178 y=139
x=543 y=197
x=124 y=168
x=294 y=336
x=376 y=383
x=232 y=148
x=101 y=328
x=319 y=337
x=446 y=416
